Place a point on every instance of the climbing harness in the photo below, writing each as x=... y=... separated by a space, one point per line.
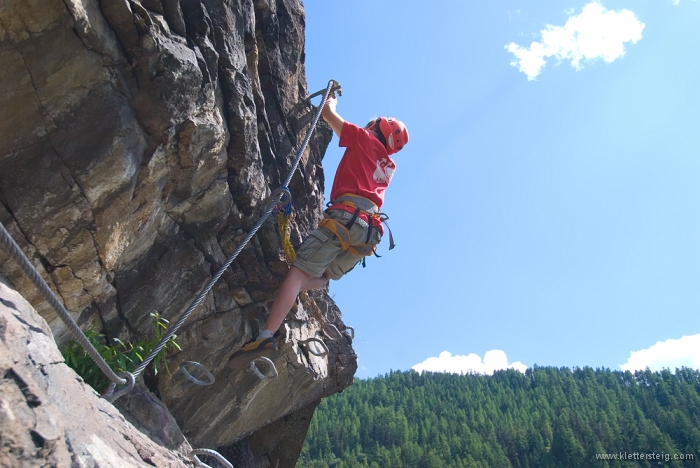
x=342 y=232
x=188 y=375
x=279 y=197
x=361 y=208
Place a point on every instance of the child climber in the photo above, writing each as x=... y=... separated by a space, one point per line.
x=352 y=226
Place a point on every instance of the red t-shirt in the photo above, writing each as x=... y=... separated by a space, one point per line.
x=365 y=168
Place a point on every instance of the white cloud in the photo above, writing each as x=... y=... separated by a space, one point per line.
x=596 y=33
x=684 y=351
x=493 y=360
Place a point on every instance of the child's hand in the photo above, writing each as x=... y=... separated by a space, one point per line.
x=331 y=102
x=331 y=116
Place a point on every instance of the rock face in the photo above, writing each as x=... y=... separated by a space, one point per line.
x=48 y=417
x=138 y=141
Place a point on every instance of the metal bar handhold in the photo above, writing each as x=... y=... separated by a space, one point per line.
x=183 y=370
x=209 y=453
x=305 y=343
x=271 y=365
x=351 y=331
x=337 y=333
x=335 y=88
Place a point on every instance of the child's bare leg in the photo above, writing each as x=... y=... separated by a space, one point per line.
x=286 y=296
x=314 y=282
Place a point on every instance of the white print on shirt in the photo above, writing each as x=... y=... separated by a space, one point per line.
x=384 y=171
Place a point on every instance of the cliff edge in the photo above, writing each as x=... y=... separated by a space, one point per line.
x=138 y=142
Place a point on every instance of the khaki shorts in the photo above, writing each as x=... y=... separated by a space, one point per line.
x=321 y=251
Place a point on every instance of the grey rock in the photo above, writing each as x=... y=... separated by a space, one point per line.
x=48 y=417
x=138 y=142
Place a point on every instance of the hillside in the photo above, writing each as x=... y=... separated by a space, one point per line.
x=545 y=417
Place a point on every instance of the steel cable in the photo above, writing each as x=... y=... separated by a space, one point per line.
x=276 y=197
x=9 y=244
x=16 y=253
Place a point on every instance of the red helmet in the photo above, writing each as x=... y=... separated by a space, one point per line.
x=394 y=132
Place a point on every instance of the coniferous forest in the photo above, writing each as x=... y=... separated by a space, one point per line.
x=549 y=417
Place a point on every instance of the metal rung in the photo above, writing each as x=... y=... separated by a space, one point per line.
x=209 y=453
x=337 y=333
x=271 y=365
x=305 y=343
x=210 y=378
x=351 y=331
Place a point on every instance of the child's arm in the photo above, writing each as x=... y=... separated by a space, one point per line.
x=331 y=116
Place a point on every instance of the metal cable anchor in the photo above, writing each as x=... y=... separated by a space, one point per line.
x=281 y=197
x=111 y=395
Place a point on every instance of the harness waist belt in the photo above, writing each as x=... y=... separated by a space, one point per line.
x=359 y=207
x=365 y=204
x=363 y=209
x=369 y=219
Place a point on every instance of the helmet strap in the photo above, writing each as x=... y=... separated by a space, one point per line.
x=378 y=132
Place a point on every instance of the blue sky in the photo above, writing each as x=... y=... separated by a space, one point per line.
x=550 y=219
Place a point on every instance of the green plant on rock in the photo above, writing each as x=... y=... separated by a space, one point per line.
x=121 y=357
